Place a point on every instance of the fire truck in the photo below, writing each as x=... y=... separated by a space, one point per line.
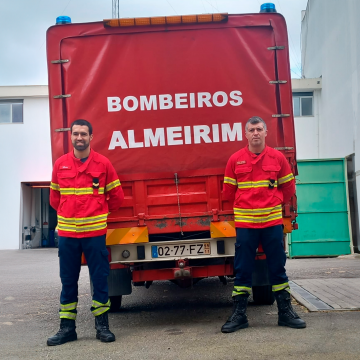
x=168 y=98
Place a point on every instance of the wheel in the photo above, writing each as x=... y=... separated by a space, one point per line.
x=115 y=303
x=263 y=295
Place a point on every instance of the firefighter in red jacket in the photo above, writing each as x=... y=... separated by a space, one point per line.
x=258 y=180
x=84 y=189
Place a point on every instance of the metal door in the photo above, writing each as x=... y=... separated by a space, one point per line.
x=323 y=210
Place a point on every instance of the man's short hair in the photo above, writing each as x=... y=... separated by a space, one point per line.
x=255 y=120
x=82 y=122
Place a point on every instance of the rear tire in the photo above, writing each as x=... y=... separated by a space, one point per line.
x=115 y=303
x=263 y=295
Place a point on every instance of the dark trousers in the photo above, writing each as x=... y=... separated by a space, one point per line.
x=247 y=241
x=96 y=254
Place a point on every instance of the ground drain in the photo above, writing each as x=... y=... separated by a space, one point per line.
x=310 y=298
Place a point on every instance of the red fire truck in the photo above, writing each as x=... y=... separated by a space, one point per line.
x=168 y=98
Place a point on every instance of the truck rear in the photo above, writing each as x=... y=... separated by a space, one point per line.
x=168 y=98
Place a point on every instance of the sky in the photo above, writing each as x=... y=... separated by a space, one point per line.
x=23 y=25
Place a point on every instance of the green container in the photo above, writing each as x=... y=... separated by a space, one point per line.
x=323 y=213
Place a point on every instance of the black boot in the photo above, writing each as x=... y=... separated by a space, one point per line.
x=66 y=333
x=238 y=319
x=102 y=328
x=287 y=315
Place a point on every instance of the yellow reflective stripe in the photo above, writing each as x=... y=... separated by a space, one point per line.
x=67 y=315
x=100 y=308
x=280 y=287
x=242 y=288
x=285 y=179
x=54 y=186
x=228 y=180
x=264 y=211
x=75 y=228
x=112 y=185
x=71 y=306
x=100 y=311
x=260 y=209
x=256 y=216
x=80 y=191
x=97 y=304
x=82 y=227
x=238 y=290
x=86 y=220
x=259 y=219
x=255 y=184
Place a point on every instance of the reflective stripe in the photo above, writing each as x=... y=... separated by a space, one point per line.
x=75 y=228
x=263 y=211
x=86 y=220
x=239 y=290
x=100 y=308
x=112 y=185
x=255 y=184
x=285 y=179
x=79 y=191
x=54 y=186
x=284 y=286
x=260 y=219
x=67 y=315
x=231 y=181
x=71 y=306
x=97 y=304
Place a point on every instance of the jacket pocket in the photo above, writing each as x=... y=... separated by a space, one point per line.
x=66 y=179
x=271 y=173
x=243 y=177
x=63 y=200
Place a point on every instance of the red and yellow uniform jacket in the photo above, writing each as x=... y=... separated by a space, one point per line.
x=83 y=194
x=258 y=185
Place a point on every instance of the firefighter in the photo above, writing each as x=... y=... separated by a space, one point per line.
x=84 y=188
x=258 y=180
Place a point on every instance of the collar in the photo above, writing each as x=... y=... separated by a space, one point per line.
x=82 y=166
x=256 y=158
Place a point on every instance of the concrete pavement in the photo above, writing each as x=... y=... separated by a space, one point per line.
x=164 y=321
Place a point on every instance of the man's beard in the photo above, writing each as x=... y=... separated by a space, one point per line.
x=81 y=147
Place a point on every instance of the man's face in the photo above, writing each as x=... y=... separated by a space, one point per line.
x=80 y=137
x=256 y=134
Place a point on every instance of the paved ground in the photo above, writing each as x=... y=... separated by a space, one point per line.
x=336 y=288
x=166 y=322
x=335 y=294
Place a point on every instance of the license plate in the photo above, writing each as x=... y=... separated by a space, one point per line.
x=180 y=250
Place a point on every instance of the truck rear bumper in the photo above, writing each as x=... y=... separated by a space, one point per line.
x=186 y=272
x=260 y=275
x=148 y=252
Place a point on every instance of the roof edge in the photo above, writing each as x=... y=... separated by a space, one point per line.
x=24 y=91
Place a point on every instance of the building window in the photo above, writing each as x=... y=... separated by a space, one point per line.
x=303 y=104
x=11 y=111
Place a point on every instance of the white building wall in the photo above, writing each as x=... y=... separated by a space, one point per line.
x=331 y=49
x=25 y=157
